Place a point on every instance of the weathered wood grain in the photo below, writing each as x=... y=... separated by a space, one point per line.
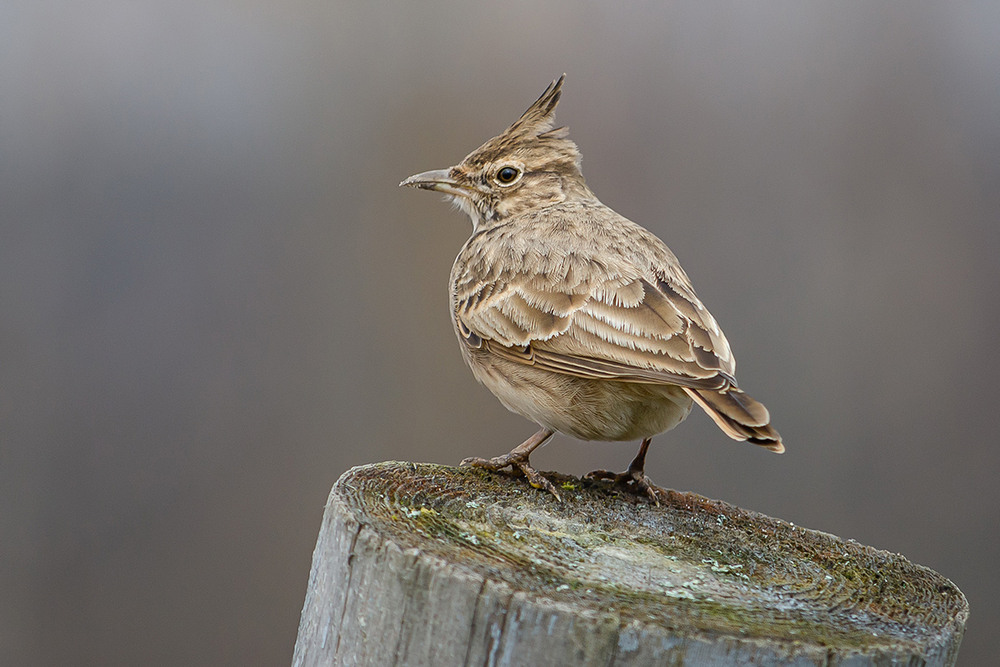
x=430 y=565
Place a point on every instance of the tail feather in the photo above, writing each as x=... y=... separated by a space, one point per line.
x=739 y=416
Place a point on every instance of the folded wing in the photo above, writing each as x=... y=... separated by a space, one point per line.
x=627 y=327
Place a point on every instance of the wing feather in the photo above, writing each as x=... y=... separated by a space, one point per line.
x=587 y=293
x=632 y=332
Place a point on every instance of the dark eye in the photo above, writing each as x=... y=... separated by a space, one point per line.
x=508 y=175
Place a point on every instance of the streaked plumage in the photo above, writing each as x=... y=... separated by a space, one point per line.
x=574 y=316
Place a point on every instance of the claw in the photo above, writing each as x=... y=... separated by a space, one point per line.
x=636 y=481
x=517 y=459
x=634 y=477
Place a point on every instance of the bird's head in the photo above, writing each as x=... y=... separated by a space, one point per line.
x=527 y=167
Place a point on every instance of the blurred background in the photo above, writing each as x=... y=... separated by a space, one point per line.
x=214 y=299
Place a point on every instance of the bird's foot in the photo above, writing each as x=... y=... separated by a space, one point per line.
x=517 y=462
x=633 y=479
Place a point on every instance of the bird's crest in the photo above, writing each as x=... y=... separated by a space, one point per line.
x=539 y=117
x=532 y=137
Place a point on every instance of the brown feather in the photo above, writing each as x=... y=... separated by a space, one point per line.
x=573 y=315
x=739 y=415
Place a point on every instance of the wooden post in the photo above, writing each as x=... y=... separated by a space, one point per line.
x=430 y=565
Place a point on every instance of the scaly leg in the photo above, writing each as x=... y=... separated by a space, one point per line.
x=518 y=458
x=634 y=475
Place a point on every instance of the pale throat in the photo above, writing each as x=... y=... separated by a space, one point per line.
x=465 y=205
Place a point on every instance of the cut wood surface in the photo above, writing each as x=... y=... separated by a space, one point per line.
x=420 y=564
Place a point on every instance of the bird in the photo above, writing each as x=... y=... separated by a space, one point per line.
x=572 y=315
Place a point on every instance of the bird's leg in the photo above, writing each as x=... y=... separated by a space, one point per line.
x=634 y=475
x=517 y=458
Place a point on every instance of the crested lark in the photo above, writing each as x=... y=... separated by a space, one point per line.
x=573 y=316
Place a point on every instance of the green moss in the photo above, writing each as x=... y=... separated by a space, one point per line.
x=693 y=564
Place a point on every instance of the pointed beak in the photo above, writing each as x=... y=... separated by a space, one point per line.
x=437 y=179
